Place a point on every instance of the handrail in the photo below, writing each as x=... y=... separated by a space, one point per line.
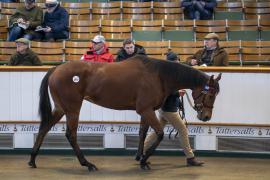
x=233 y=69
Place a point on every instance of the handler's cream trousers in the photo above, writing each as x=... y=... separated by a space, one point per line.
x=175 y=120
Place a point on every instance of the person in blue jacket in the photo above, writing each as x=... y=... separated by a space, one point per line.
x=199 y=9
x=55 y=23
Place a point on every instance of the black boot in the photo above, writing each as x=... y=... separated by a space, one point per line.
x=194 y=162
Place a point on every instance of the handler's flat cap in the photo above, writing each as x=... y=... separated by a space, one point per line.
x=211 y=36
x=23 y=40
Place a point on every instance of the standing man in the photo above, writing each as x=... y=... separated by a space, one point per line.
x=169 y=113
x=129 y=49
x=25 y=20
x=211 y=54
x=98 y=51
x=55 y=24
x=24 y=55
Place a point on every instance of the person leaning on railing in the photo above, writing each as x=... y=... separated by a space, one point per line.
x=211 y=55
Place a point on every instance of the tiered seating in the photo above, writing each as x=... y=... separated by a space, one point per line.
x=3 y=29
x=176 y=30
x=156 y=49
x=167 y=10
x=110 y=10
x=229 y=10
x=6 y=50
x=49 y=52
x=243 y=30
x=147 y=30
x=83 y=29
x=137 y=10
x=116 y=30
x=203 y=27
x=80 y=11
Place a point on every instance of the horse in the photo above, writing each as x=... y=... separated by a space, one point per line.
x=140 y=83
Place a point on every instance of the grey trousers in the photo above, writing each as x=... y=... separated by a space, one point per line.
x=175 y=120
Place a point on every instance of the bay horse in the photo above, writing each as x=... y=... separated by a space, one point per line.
x=140 y=83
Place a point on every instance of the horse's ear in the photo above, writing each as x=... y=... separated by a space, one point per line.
x=211 y=80
x=218 y=77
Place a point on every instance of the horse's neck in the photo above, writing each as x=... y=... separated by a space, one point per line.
x=189 y=80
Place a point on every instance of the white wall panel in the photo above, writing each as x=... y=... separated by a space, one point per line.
x=243 y=99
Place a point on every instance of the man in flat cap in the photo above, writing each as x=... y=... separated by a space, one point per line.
x=169 y=113
x=25 y=20
x=98 y=51
x=55 y=24
x=24 y=55
x=211 y=54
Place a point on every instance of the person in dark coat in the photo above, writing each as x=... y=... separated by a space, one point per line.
x=24 y=55
x=55 y=23
x=169 y=113
x=199 y=9
x=128 y=50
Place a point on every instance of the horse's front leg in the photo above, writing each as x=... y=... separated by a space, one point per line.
x=151 y=120
x=71 y=134
x=142 y=134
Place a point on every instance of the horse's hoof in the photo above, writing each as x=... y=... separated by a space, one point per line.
x=92 y=167
x=137 y=158
x=32 y=164
x=145 y=166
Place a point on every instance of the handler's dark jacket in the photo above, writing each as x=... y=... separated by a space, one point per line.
x=219 y=57
x=122 y=54
x=33 y=15
x=172 y=103
x=28 y=59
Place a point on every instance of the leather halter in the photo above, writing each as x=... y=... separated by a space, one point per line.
x=207 y=89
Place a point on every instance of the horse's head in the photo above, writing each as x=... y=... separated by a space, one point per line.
x=204 y=98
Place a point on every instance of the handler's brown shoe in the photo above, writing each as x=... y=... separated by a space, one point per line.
x=194 y=162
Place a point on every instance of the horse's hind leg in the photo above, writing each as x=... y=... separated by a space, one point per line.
x=57 y=114
x=142 y=134
x=152 y=120
x=71 y=134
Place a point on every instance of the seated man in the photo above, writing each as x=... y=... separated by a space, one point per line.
x=24 y=55
x=98 y=52
x=129 y=49
x=25 y=20
x=199 y=9
x=55 y=24
x=211 y=54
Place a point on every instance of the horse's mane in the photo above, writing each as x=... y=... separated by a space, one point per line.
x=167 y=70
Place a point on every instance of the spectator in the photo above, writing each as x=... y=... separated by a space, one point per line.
x=55 y=24
x=98 y=52
x=24 y=55
x=129 y=49
x=199 y=9
x=211 y=54
x=25 y=20
x=169 y=113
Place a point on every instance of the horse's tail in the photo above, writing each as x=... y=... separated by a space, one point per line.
x=45 y=108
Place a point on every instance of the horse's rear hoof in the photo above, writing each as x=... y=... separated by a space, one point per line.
x=92 y=167
x=145 y=166
x=32 y=164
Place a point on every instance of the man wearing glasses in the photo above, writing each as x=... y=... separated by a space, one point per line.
x=211 y=54
x=98 y=51
x=55 y=24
